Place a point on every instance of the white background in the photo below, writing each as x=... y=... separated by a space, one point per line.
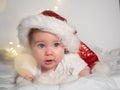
x=97 y=21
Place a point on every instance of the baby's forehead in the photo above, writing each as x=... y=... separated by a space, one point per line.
x=45 y=37
x=42 y=31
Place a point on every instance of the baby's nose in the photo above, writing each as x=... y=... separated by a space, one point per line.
x=48 y=51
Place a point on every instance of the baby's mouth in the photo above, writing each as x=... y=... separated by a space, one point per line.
x=48 y=62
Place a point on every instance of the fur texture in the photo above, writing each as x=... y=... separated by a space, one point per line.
x=102 y=67
x=49 y=24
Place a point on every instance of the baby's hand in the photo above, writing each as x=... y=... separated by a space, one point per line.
x=29 y=77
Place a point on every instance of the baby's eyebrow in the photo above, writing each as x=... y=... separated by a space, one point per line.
x=57 y=41
x=35 y=42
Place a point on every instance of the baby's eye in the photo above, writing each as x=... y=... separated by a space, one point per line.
x=41 y=45
x=56 y=44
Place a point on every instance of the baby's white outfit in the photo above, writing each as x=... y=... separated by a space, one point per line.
x=68 y=69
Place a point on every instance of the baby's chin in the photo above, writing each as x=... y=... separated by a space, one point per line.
x=48 y=68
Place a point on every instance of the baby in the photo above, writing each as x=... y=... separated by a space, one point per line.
x=54 y=45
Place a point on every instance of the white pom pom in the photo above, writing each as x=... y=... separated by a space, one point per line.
x=102 y=67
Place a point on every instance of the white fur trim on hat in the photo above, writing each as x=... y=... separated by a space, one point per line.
x=49 y=24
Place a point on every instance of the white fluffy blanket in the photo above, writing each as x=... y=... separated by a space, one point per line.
x=91 y=82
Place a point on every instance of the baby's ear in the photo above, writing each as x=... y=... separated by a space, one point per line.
x=66 y=51
x=25 y=64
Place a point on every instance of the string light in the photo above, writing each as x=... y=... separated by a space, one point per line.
x=56 y=8
x=10 y=43
x=13 y=50
x=18 y=45
x=57 y=5
x=48 y=9
x=59 y=0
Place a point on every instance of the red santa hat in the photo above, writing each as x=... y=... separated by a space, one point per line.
x=49 y=21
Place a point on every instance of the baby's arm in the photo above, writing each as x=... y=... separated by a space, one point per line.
x=25 y=77
x=26 y=74
x=85 y=71
x=78 y=65
x=26 y=67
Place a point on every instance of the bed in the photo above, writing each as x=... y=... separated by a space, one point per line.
x=95 y=81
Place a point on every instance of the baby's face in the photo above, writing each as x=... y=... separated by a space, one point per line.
x=48 y=50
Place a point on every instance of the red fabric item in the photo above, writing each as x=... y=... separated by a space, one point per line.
x=87 y=55
x=53 y=14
